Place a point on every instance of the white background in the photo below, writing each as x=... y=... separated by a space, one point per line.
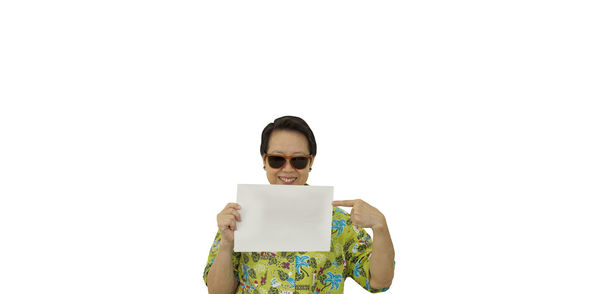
x=472 y=125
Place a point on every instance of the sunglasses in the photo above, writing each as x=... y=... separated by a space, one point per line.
x=297 y=161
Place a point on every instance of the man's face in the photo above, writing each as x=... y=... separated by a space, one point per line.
x=287 y=143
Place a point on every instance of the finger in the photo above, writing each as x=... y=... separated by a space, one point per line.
x=233 y=205
x=237 y=215
x=230 y=212
x=226 y=220
x=345 y=203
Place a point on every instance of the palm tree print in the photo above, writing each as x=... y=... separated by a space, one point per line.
x=358 y=271
x=338 y=225
x=339 y=211
x=245 y=269
x=301 y=260
x=334 y=280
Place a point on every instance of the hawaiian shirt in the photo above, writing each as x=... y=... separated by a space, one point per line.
x=305 y=272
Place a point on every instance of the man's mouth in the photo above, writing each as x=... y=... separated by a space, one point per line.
x=287 y=180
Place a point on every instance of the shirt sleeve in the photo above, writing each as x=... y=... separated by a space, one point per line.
x=357 y=250
x=235 y=260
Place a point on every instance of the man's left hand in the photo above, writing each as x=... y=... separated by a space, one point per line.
x=363 y=215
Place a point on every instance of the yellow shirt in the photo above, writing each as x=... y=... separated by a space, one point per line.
x=305 y=272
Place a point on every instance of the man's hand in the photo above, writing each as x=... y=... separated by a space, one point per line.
x=363 y=215
x=226 y=220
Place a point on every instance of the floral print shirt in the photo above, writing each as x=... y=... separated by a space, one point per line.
x=305 y=272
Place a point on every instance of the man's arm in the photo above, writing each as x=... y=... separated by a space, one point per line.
x=382 y=258
x=364 y=215
x=220 y=278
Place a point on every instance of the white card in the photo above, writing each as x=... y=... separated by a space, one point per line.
x=283 y=218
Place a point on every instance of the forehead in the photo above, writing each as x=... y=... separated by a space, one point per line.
x=287 y=142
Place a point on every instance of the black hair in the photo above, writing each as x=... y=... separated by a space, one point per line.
x=292 y=123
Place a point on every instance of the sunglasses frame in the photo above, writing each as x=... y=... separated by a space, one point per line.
x=288 y=159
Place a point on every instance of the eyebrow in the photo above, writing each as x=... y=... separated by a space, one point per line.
x=277 y=151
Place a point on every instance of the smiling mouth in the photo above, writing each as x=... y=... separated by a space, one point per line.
x=287 y=180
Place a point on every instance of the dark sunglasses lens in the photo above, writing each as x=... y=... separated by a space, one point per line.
x=276 y=161
x=299 y=162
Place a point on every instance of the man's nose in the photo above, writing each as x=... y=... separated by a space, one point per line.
x=287 y=166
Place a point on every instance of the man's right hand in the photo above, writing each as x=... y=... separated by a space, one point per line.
x=226 y=221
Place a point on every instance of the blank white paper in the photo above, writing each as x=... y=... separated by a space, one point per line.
x=283 y=218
